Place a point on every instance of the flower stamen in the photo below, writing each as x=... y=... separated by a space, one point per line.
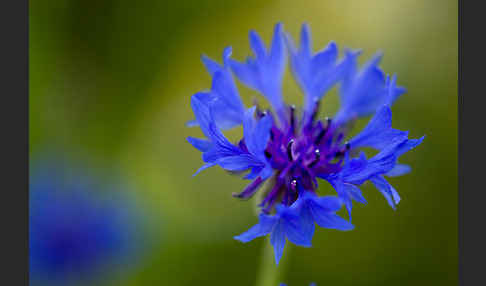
x=289 y=150
x=316 y=160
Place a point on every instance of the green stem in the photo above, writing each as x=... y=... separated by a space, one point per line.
x=270 y=274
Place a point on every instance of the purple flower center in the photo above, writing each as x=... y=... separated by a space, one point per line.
x=299 y=151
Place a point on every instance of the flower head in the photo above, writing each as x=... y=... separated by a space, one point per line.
x=293 y=148
x=74 y=234
x=312 y=284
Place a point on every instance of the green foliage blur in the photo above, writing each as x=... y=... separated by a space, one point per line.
x=110 y=83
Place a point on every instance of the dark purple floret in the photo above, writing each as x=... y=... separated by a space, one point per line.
x=299 y=153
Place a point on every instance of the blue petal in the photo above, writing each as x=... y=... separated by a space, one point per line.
x=348 y=192
x=359 y=170
x=408 y=145
x=364 y=92
x=296 y=235
x=323 y=209
x=355 y=193
x=211 y=65
x=348 y=203
x=277 y=53
x=224 y=86
x=349 y=66
x=200 y=144
x=214 y=154
x=394 y=92
x=239 y=162
x=256 y=134
x=206 y=98
x=277 y=239
x=399 y=170
x=307 y=224
x=351 y=166
x=248 y=128
x=206 y=122
x=326 y=72
x=264 y=73
x=257 y=45
x=192 y=123
x=317 y=73
x=261 y=135
x=266 y=172
x=305 y=40
x=265 y=225
x=245 y=73
x=387 y=190
x=226 y=106
x=332 y=221
x=342 y=192
x=398 y=148
x=395 y=195
x=254 y=173
x=204 y=167
x=293 y=228
x=394 y=146
x=378 y=133
x=329 y=203
x=327 y=219
x=324 y=59
x=300 y=66
x=263 y=171
x=221 y=146
x=227 y=54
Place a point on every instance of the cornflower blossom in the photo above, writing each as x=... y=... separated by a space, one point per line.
x=283 y=284
x=289 y=148
x=75 y=236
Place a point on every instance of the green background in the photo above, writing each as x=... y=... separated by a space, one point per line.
x=110 y=85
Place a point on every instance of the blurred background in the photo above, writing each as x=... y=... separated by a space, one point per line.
x=110 y=87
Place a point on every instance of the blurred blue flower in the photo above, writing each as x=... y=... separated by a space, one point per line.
x=292 y=151
x=283 y=284
x=77 y=229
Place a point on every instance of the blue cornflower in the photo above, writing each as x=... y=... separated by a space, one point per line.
x=283 y=284
x=292 y=152
x=74 y=234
